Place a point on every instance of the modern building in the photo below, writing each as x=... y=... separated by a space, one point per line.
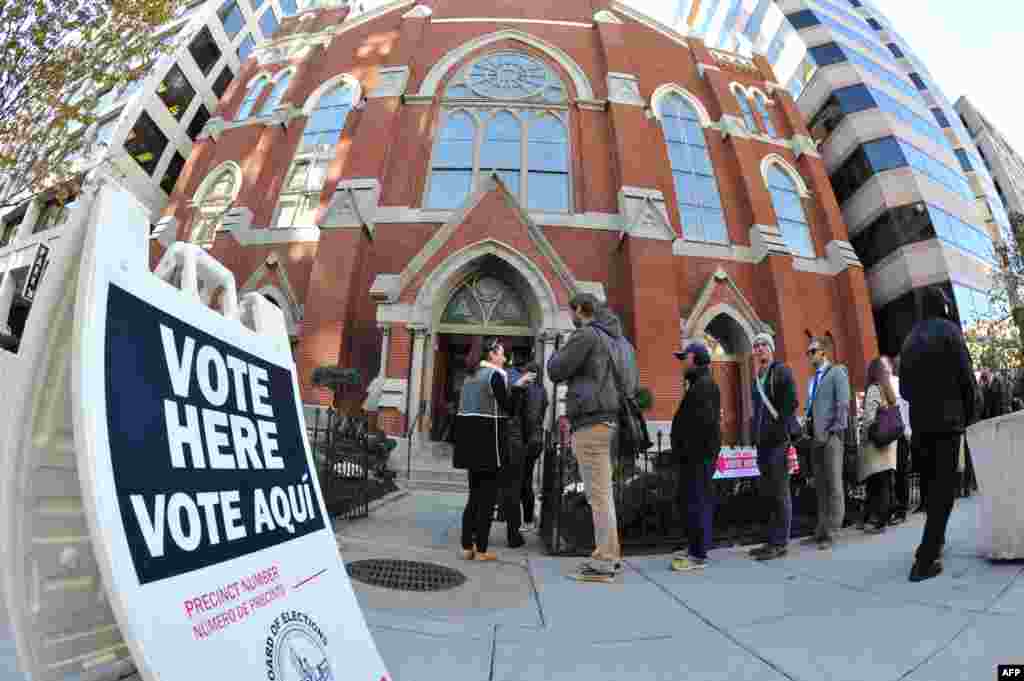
x=147 y=129
x=918 y=201
x=1002 y=161
x=403 y=182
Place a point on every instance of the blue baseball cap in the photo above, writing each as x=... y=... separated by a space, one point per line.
x=701 y=355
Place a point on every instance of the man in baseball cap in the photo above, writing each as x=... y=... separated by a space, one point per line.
x=696 y=441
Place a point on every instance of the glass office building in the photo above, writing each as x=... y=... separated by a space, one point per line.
x=917 y=197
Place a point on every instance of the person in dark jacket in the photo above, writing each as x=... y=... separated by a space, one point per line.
x=775 y=404
x=534 y=408
x=482 y=441
x=510 y=481
x=937 y=379
x=995 y=395
x=592 y=407
x=696 y=442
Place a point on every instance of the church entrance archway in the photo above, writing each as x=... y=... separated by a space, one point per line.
x=730 y=366
x=490 y=297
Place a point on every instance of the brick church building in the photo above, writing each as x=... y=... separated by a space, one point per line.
x=401 y=180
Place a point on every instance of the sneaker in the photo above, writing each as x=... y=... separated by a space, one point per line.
x=874 y=529
x=758 y=551
x=469 y=554
x=813 y=540
x=773 y=552
x=921 y=572
x=588 y=572
x=515 y=541
x=688 y=564
x=486 y=556
x=528 y=527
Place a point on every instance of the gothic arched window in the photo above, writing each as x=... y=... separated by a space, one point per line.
x=525 y=142
x=789 y=210
x=488 y=302
x=214 y=202
x=250 y=98
x=748 y=114
x=274 y=99
x=766 y=117
x=700 y=205
x=328 y=119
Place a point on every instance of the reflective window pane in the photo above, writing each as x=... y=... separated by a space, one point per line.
x=549 y=191
x=449 y=188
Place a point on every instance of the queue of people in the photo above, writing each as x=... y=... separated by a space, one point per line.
x=915 y=411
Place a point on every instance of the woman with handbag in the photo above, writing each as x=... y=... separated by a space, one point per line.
x=882 y=427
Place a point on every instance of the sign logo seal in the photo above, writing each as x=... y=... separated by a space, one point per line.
x=296 y=649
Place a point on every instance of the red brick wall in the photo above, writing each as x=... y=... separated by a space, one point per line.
x=391 y=140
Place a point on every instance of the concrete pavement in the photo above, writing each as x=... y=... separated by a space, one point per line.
x=844 y=615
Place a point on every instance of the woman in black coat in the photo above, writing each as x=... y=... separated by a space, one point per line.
x=482 y=445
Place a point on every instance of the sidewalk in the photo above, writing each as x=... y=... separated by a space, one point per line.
x=849 y=614
x=845 y=615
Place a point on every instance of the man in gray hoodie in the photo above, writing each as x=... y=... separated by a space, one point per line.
x=592 y=406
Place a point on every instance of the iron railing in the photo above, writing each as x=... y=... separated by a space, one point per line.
x=650 y=514
x=344 y=461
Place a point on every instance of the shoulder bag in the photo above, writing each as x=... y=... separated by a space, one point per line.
x=633 y=435
x=887 y=426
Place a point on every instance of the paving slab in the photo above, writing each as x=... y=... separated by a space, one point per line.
x=692 y=651
x=417 y=656
x=735 y=591
x=632 y=606
x=974 y=654
x=873 y=639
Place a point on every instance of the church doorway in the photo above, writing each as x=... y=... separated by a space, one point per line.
x=492 y=299
x=730 y=367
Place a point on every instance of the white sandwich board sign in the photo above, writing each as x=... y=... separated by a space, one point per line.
x=204 y=511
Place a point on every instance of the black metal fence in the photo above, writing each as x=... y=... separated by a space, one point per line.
x=651 y=514
x=351 y=463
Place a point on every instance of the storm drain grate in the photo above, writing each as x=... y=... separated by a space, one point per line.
x=405 y=575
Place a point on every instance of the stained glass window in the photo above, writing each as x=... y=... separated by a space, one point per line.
x=486 y=301
x=508 y=75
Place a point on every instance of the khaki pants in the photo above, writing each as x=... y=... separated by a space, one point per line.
x=592 y=446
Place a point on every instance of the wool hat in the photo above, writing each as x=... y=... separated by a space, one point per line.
x=765 y=338
x=701 y=356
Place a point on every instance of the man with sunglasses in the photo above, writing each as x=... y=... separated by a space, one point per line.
x=828 y=410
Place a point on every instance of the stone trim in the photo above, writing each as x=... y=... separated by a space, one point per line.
x=802 y=145
x=166 y=231
x=354 y=204
x=644 y=214
x=273 y=236
x=767 y=240
x=407 y=214
x=437 y=72
x=649 y=22
x=418 y=12
x=666 y=89
x=700 y=249
x=605 y=17
x=747 y=316
x=624 y=88
x=391 y=82
x=592 y=104
x=510 y=20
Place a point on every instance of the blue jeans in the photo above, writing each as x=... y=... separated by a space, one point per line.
x=700 y=505
x=771 y=461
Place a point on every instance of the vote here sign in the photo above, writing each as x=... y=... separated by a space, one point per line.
x=206 y=516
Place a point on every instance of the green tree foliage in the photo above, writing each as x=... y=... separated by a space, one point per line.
x=995 y=343
x=57 y=58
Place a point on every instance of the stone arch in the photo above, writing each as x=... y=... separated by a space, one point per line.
x=211 y=177
x=580 y=81
x=665 y=89
x=291 y=313
x=314 y=98
x=741 y=329
x=437 y=288
x=774 y=159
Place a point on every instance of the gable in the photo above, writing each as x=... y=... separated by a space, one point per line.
x=490 y=215
x=720 y=294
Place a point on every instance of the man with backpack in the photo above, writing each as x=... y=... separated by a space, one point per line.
x=588 y=363
x=828 y=410
x=775 y=404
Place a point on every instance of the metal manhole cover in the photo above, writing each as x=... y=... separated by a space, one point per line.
x=405 y=575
